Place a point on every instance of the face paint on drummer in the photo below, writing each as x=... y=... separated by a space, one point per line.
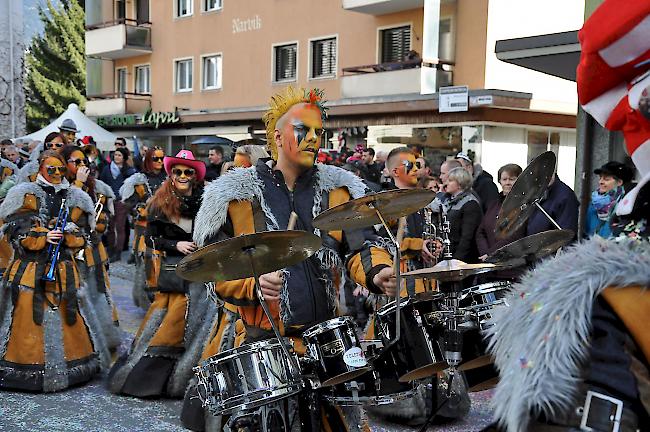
x=53 y=170
x=406 y=170
x=301 y=135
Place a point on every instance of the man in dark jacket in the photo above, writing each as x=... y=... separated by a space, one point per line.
x=483 y=186
x=561 y=204
x=215 y=157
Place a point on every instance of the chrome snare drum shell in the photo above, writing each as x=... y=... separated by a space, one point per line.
x=334 y=347
x=247 y=377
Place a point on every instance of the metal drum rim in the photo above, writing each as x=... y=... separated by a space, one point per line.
x=406 y=301
x=261 y=402
x=326 y=326
x=268 y=344
x=372 y=400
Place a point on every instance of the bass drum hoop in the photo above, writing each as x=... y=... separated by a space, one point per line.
x=371 y=400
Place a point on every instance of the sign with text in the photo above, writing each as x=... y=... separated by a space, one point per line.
x=453 y=99
x=246 y=25
x=154 y=118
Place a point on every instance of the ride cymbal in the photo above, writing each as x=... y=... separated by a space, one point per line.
x=231 y=259
x=527 y=190
x=532 y=247
x=362 y=212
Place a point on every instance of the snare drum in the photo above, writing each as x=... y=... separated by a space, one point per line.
x=247 y=377
x=485 y=296
x=380 y=386
x=334 y=346
x=417 y=353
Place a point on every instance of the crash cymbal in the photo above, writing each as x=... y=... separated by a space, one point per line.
x=360 y=213
x=230 y=259
x=527 y=190
x=535 y=246
x=450 y=271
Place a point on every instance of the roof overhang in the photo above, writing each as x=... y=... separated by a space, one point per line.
x=556 y=54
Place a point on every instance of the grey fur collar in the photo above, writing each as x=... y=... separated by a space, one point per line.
x=243 y=184
x=34 y=155
x=128 y=187
x=8 y=164
x=27 y=170
x=104 y=189
x=16 y=197
x=540 y=341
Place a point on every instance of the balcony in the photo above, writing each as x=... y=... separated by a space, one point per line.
x=117 y=104
x=391 y=78
x=119 y=39
x=381 y=7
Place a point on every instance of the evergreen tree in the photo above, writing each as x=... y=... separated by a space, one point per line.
x=56 y=64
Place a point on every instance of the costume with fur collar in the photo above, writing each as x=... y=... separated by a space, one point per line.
x=104 y=189
x=542 y=339
x=128 y=187
x=29 y=169
x=4 y=163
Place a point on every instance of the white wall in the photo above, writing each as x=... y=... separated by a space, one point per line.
x=501 y=146
x=509 y=19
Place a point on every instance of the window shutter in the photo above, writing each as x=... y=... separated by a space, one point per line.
x=396 y=43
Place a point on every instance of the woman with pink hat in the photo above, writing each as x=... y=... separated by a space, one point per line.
x=177 y=324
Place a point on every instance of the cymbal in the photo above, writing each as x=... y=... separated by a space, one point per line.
x=535 y=246
x=527 y=190
x=360 y=213
x=450 y=271
x=230 y=259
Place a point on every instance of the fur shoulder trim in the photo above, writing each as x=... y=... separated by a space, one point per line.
x=104 y=189
x=128 y=187
x=542 y=338
x=27 y=170
x=8 y=164
x=332 y=177
x=34 y=155
x=240 y=184
x=78 y=198
x=16 y=197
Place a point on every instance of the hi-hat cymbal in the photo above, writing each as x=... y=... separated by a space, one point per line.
x=527 y=190
x=230 y=259
x=450 y=271
x=360 y=213
x=535 y=246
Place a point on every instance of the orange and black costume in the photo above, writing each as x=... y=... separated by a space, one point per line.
x=45 y=341
x=177 y=324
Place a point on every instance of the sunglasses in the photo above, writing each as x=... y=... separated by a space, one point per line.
x=120 y=144
x=179 y=172
x=78 y=162
x=53 y=145
x=51 y=170
x=157 y=159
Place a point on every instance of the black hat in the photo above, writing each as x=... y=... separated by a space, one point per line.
x=616 y=169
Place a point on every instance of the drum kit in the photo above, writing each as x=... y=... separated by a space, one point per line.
x=417 y=336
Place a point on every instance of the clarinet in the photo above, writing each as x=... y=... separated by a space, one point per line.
x=53 y=251
x=430 y=232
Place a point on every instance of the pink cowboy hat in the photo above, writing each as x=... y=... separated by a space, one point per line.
x=185 y=157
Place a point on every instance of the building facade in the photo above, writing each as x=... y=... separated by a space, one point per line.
x=172 y=71
x=12 y=49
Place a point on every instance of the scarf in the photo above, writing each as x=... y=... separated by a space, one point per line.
x=57 y=187
x=605 y=203
x=115 y=170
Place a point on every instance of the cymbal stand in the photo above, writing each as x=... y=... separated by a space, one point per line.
x=397 y=258
x=548 y=216
x=250 y=250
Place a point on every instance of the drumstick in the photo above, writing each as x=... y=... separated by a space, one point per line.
x=293 y=218
x=401 y=228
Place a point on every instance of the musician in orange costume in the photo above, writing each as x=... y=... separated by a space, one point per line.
x=45 y=344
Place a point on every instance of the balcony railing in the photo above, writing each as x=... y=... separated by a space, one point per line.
x=117 y=104
x=392 y=78
x=117 y=39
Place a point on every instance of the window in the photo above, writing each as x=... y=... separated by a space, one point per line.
x=120 y=81
x=323 y=58
x=395 y=43
x=212 y=5
x=183 y=8
x=183 y=71
x=211 y=72
x=284 y=58
x=143 y=79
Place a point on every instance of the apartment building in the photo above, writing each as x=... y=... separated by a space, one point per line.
x=172 y=71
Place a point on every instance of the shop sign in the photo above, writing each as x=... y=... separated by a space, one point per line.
x=160 y=118
x=246 y=25
x=453 y=99
x=117 y=120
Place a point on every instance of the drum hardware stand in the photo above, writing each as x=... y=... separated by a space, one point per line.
x=294 y=364
x=548 y=216
x=397 y=258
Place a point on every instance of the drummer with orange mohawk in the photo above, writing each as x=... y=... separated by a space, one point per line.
x=262 y=197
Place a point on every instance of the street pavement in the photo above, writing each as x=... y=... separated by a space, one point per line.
x=91 y=408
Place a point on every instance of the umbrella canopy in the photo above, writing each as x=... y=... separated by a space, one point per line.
x=85 y=126
x=213 y=140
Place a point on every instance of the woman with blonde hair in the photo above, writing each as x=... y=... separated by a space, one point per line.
x=464 y=214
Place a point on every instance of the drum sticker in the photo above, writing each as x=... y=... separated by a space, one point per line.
x=354 y=357
x=333 y=348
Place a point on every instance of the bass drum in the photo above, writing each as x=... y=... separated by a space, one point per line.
x=417 y=353
x=380 y=386
x=247 y=377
